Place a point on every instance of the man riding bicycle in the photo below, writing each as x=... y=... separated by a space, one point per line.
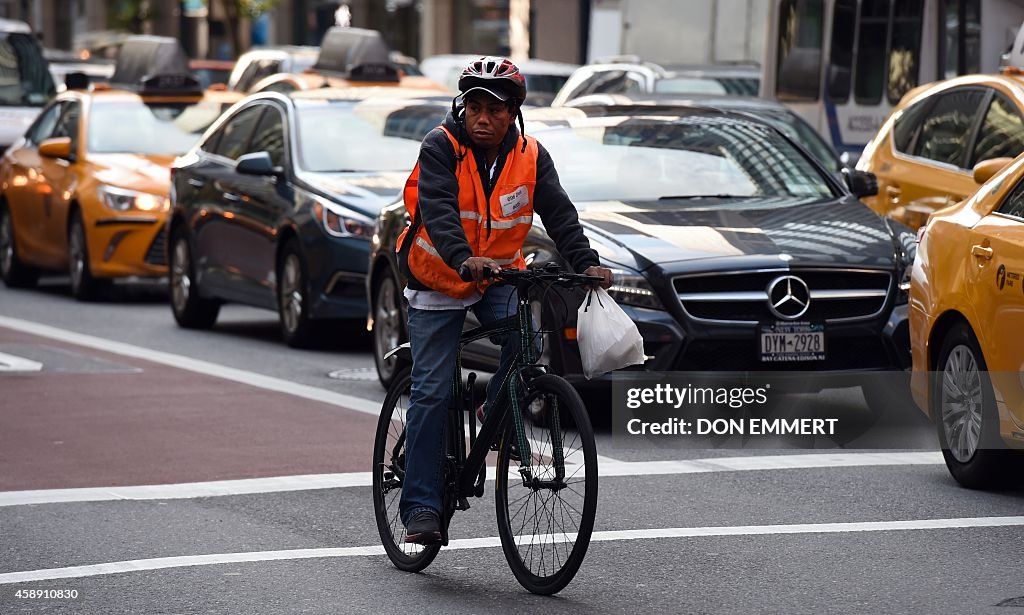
x=471 y=199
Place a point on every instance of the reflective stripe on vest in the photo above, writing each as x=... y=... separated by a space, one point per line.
x=495 y=228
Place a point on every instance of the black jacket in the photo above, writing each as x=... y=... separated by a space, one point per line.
x=439 y=201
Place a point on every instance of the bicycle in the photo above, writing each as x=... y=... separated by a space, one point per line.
x=547 y=504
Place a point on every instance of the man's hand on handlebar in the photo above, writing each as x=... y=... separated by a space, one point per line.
x=602 y=272
x=476 y=267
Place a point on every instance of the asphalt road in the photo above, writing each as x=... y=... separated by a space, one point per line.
x=158 y=470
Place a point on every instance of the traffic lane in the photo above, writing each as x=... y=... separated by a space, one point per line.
x=151 y=424
x=45 y=536
x=244 y=337
x=941 y=571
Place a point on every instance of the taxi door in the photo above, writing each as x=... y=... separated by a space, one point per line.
x=997 y=276
x=933 y=173
x=23 y=186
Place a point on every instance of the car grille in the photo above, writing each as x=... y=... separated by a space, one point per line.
x=837 y=295
x=157 y=252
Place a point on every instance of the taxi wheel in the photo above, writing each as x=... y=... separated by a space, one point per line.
x=14 y=273
x=84 y=286
x=964 y=407
x=191 y=309
x=297 y=329
x=388 y=327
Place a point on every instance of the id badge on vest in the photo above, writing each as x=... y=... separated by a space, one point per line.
x=514 y=201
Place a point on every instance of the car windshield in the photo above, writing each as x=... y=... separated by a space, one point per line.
x=616 y=158
x=164 y=128
x=545 y=83
x=733 y=86
x=370 y=136
x=801 y=132
x=24 y=78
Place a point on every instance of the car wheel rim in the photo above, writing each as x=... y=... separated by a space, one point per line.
x=6 y=244
x=181 y=281
x=386 y=325
x=961 y=403
x=291 y=293
x=77 y=256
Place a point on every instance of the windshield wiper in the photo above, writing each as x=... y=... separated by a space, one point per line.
x=692 y=197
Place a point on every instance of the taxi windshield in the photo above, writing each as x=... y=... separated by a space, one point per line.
x=160 y=128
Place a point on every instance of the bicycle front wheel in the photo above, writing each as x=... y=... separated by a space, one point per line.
x=388 y=476
x=547 y=501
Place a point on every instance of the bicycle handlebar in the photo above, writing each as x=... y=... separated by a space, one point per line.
x=549 y=273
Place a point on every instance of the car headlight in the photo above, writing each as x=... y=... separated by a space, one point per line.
x=631 y=288
x=341 y=222
x=122 y=199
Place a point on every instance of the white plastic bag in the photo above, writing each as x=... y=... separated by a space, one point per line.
x=608 y=339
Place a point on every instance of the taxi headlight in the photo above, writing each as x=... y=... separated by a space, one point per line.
x=122 y=199
x=341 y=222
x=631 y=288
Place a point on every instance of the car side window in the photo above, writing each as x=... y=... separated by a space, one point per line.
x=907 y=126
x=1013 y=205
x=67 y=125
x=248 y=76
x=269 y=136
x=235 y=134
x=1002 y=132
x=945 y=133
x=45 y=125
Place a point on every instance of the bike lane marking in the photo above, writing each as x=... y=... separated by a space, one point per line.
x=270 y=383
x=364 y=479
x=190 y=561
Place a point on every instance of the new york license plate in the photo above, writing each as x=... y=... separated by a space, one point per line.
x=785 y=341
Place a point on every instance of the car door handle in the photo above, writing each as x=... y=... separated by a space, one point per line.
x=196 y=183
x=893 y=192
x=982 y=252
x=231 y=196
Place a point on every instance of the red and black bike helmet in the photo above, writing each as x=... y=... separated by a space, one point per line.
x=495 y=75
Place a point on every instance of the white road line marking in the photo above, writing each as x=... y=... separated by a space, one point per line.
x=198 y=366
x=364 y=479
x=11 y=363
x=190 y=561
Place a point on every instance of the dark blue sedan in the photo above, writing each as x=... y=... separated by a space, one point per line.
x=275 y=206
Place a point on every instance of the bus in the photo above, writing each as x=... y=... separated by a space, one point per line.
x=843 y=65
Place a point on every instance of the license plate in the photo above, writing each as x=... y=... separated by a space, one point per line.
x=792 y=342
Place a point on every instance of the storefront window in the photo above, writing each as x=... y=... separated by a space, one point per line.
x=481 y=27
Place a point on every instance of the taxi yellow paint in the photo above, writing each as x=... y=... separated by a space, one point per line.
x=911 y=187
x=968 y=276
x=44 y=195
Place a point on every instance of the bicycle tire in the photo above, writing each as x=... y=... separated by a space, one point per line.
x=527 y=550
x=388 y=450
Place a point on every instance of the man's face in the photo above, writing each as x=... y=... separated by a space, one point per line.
x=487 y=119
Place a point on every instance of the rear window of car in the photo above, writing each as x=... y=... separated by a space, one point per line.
x=165 y=128
x=614 y=158
x=25 y=80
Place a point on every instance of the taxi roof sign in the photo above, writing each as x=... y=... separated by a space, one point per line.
x=147 y=57
x=356 y=53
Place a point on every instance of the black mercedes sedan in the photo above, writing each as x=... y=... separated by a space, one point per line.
x=732 y=247
x=275 y=206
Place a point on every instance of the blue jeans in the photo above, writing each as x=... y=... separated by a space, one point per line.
x=434 y=336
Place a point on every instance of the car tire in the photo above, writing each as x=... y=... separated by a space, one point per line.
x=964 y=409
x=293 y=302
x=191 y=310
x=15 y=274
x=388 y=327
x=84 y=286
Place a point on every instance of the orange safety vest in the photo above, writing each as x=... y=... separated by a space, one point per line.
x=511 y=209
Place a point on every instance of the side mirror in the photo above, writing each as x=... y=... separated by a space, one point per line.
x=59 y=147
x=986 y=169
x=860 y=183
x=256 y=163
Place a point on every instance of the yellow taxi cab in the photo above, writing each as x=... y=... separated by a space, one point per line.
x=349 y=57
x=85 y=190
x=967 y=327
x=924 y=154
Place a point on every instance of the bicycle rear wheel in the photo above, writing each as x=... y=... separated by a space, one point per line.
x=388 y=474
x=545 y=526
